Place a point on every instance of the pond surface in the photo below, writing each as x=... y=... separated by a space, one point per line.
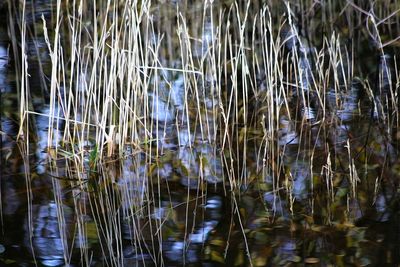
x=323 y=193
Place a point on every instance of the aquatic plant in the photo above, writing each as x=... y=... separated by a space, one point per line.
x=254 y=104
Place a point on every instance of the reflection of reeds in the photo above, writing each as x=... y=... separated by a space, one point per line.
x=247 y=79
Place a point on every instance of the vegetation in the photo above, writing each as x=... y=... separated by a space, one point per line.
x=285 y=114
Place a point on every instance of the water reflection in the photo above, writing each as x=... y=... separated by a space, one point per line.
x=178 y=93
x=49 y=244
x=344 y=104
x=162 y=110
x=188 y=250
x=3 y=60
x=301 y=179
x=287 y=133
x=170 y=203
x=42 y=134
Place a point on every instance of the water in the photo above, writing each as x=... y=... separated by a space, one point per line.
x=312 y=204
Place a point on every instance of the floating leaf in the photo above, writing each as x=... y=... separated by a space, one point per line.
x=217 y=242
x=216 y=256
x=261 y=260
x=295 y=259
x=311 y=260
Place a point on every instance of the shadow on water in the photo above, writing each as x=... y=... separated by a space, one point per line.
x=331 y=198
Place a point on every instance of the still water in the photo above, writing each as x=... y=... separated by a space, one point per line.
x=177 y=208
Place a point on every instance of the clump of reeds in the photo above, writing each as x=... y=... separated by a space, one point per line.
x=247 y=77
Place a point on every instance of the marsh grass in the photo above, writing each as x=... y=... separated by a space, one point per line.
x=248 y=77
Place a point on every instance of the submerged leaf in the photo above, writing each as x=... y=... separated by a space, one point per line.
x=216 y=256
x=239 y=261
